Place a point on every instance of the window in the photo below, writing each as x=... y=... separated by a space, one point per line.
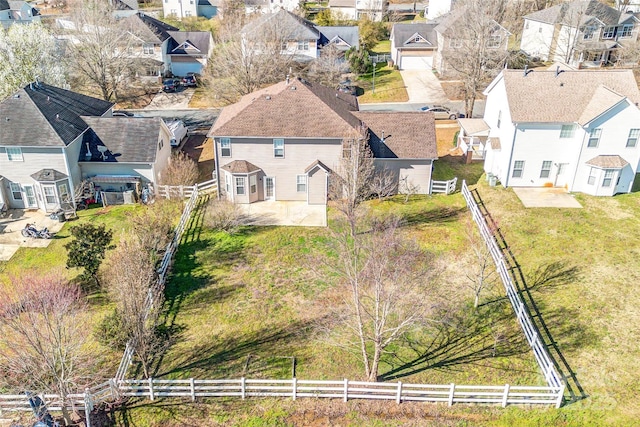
x=303 y=44
x=546 y=169
x=187 y=12
x=148 y=48
x=253 y=186
x=301 y=183
x=518 y=168
x=225 y=147
x=567 y=131
x=588 y=32
x=14 y=154
x=346 y=149
x=278 y=148
x=49 y=194
x=592 y=176
x=240 y=185
x=626 y=31
x=160 y=144
x=632 y=141
x=609 y=32
x=494 y=42
x=15 y=191
x=455 y=43
x=594 y=138
x=417 y=39
x=608 y=175
x=499 y=119
x=63 y=191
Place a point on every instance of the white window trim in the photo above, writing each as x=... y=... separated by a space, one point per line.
x=12 y=188
x=301 y=182
x=634 y=135
x=253 y=184
x=17 y=153
x=594 y=135
x=565 y=133
x=546 y=172
x=236 y=181
x=223 y=142
x=608 y=175
x=275 y=148
x=521 y=169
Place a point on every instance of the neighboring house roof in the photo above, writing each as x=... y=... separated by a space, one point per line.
x=4 y=5
x=568 y=96
x=342 y=3
x=40 y=115
x=404 y=35
x=295 y=109
x=48 y=175
x=127 y=139
x=287 y=24
x=159 y=28
x=473 y=127
x=215 y=3
x=608 y=162
x=144 y=29
x=125 y=4
x=349 y=35
x=447 y=24
x=576 y=13
x=190 y=43
x=240 y=166
x=409 y=135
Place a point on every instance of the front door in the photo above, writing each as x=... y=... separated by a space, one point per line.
x=269 y=188
x=30 y=197
x=50 y=198
x=561 y=175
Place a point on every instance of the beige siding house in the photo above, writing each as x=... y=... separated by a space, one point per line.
x=284 y=141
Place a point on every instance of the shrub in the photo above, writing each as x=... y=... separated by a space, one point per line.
x=223 y=215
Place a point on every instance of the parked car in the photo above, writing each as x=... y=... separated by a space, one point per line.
x=189 y=80
x=178 y=131
x=122 y=113
x=441 y=112
x=168 y=86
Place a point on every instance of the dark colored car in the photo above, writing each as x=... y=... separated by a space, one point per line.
x=347 y=87
x=169 y=85
x=442 y=112
x=189 y=80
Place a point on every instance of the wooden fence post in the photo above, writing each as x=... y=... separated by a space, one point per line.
x=114 y=388
x=399 y=392
x=294 y=383
x=192 y=382
x=243 y=389
x=151 y=395
x=451 y=393
x=505 y=396
x=346 y=390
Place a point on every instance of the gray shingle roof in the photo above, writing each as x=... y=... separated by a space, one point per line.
x=200 y=40
x=40 y=115
x=240 y=166
x=342 y=3
x=159 y=28
x=402 y=33
x=608 y=162
x=48 y=175
x=127 y=139
x=350 y=35
x=401 y=135
x=4 y=5
x=568 y=97
x=575 y=13
x=287 y=24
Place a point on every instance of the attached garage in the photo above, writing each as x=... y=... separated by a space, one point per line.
x=415 y=62
x=182 y=66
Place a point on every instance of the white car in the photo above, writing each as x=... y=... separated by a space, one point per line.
x=178 y=131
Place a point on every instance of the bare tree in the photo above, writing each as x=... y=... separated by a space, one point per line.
x=328 y=68
x=387 y=280
x=481 y=270
x=384 y=183
x=98 y=51
x=222 y=214
x=131 y=284
x=474 y=51
x=153 y=226
x=182 y=170
x=43 y=335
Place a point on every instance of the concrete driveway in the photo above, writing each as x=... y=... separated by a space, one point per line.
x=285 y=213
x=10 y=231
x=546 y=197
x=423 y=87
x=171 y=101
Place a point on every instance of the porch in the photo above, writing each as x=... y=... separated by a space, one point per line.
x=284 y=213
x=472 y=139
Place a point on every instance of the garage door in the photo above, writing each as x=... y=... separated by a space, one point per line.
x=182 y=68
x=416 y=63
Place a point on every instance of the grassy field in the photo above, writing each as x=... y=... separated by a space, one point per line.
x=389 y=86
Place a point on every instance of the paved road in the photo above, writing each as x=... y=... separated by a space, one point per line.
x=193 y=118
x=478 y=109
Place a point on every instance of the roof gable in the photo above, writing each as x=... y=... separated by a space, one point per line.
x=286 y=24
x=126 y=139
x=576 y=13
x=189 y=42
x=403 y=34
x=341 y=36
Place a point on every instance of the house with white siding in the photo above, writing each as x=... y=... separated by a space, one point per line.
x=572 y=129
x=284 y=141
x=53 y=140
x=17 y=12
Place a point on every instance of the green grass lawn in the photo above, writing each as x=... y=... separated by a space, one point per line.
x=389 y=86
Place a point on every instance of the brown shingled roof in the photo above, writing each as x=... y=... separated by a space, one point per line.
x=410 y=135
x=570 y=96
x=240 y=166
x=608 y=162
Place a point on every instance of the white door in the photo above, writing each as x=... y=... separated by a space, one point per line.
x=50 y=197
x=30 y=197
x=561 y=175
x=269 y=188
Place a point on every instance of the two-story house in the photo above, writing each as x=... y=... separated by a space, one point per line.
x=573 y=129
x=582 y=33
x=17 y=12
x=374 y=10
x=52 y=140
x=413 y=46
x=284 y=141
x=191 y=8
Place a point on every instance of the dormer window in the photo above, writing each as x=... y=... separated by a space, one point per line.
x=588 y=32
x=626 y=31
x=609 y=32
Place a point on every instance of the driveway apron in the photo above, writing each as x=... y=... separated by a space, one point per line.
x=423 y=87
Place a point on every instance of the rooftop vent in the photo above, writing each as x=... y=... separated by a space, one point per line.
x=16 y=96
x=292 y=88
x=268 y=97
x=526 y=70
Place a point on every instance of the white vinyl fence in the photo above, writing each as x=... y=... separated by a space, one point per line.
x=444 y=187
x=533 y=338
x=184 y=191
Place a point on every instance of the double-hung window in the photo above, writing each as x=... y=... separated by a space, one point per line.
x=627 y=31
x=301 y=183
x=240 y=185
x=567 y=131
x=632 y=140
x=592 y=176
x=303 y=44
x=225 y=147
x=14 y=154
x=518 y=169
x=278 y=148
x=49 y=194
x=608 y=176
x=16 y=192
x=609 y=32
x=253 y=186
x=148 y=48
x=594 y=138
x=546 y=169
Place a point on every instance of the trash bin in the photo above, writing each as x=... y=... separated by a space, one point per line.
x=492 y=181
x=61 y=217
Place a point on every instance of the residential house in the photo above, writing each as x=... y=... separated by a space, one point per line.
x=17 y=11
x=437 y=8
x=191 y=8
x=582 y=33
x=270 y=6
x=284 y=141
x=124 y=8
x=413 y=45
x=53 y=140
x=628 y=5
x=573 y=129
x=375 y=10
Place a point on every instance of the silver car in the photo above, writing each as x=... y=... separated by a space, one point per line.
x=441 y=112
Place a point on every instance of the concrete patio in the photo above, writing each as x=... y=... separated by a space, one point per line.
x=285 y=213
x=11 y=238
x=546 y=197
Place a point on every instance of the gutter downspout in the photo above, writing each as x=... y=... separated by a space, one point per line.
x=72 y=186
x=513 y=147
x=217 y=164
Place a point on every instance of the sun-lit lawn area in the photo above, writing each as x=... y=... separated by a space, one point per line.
x=389 y=86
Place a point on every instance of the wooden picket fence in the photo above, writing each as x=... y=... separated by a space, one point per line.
x=522 y=314
x=444 y=187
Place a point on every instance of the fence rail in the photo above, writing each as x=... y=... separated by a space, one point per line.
x=444 y=187
x=184 y=191
x=540 y=352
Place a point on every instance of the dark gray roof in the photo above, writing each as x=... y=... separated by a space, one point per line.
x=127 y=139
x=181 y=42
x=48 y=175
x=575 y=13
x=349 y=35
x=40 y=115
x=4 y=5
x=289 y=25
x=403 y=35
x=125 y=4
x=159 y=28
